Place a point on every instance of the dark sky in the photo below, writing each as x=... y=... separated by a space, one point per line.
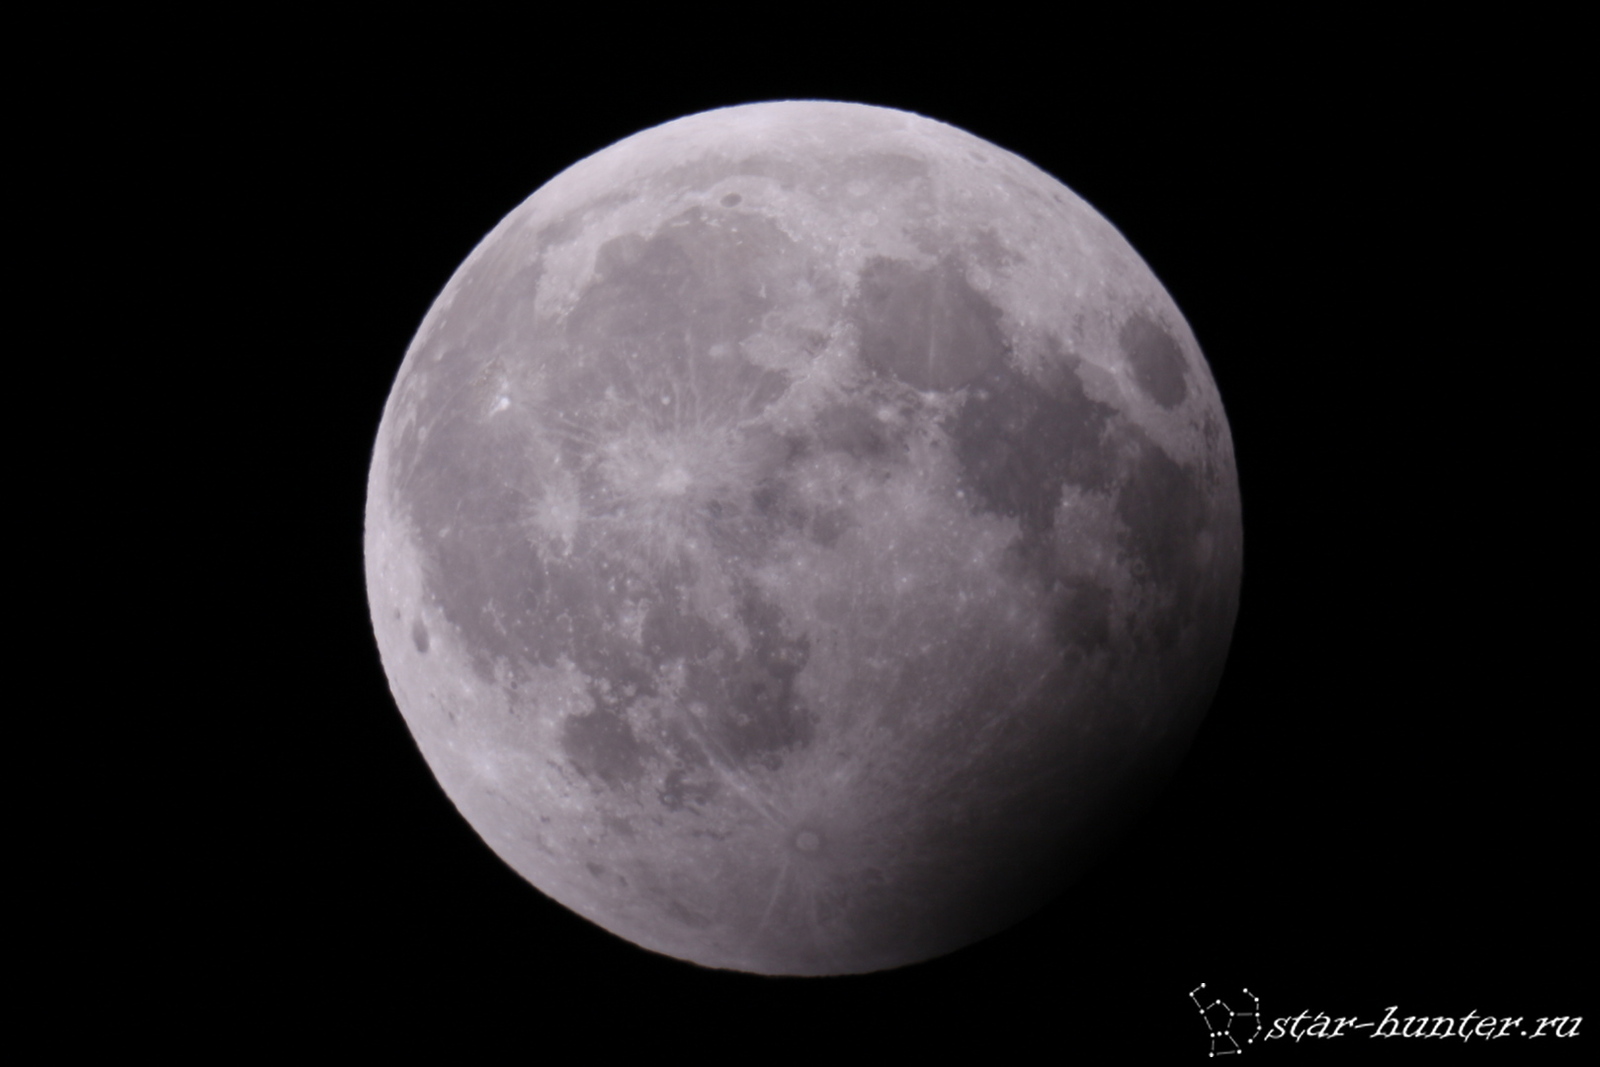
x=1366 y=232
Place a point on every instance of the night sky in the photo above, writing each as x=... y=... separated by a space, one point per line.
x=1367 y=236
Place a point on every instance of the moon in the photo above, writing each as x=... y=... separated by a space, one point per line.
x=799 y=534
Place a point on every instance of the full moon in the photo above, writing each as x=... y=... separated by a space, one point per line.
x=799 y=534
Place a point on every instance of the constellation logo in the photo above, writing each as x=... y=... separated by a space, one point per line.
x=1225 y=1026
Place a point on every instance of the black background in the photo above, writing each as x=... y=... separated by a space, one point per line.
x=1367 y=229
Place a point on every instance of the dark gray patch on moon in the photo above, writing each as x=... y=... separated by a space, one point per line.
x=672 y=633
x=756 y=711
x=1081 y=616
x=601 y=744
x=701 y=276
x=1156 y=358
x=691 y=919
x=419 y=636
x=828 y=526
x=1020 y=442
x=1164 y=510
x=849 y=429
x=880 y=170
x=928 y=328
x=647 y=327
x=744 y=702
x=682 y=788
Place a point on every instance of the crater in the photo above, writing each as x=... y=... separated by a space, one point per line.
x=807 y=841
x=1156 y=359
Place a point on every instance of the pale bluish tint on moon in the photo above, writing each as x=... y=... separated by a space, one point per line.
x=797 y=532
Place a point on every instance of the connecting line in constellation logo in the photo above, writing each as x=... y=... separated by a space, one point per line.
x=1220 y=1020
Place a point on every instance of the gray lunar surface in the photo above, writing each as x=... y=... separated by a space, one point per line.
x=798 y=533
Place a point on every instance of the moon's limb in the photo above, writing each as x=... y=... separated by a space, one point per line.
x=796 y=530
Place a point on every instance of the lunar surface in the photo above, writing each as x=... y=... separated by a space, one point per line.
x=798 y=534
